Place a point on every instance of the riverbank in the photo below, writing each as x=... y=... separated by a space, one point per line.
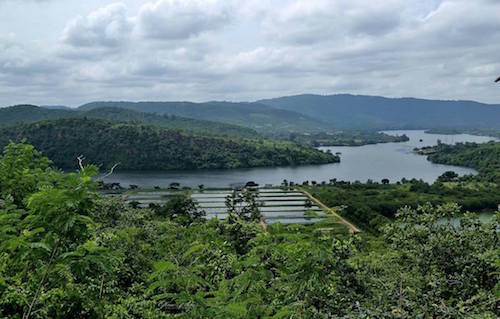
x=393 y=161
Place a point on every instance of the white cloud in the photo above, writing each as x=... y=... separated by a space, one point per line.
x=229 y=49
x=107 y=27
x=180 y=19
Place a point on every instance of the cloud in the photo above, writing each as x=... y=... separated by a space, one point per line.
x=234 y=50
x=176 y=19
x=107 y=27
x=308 y=22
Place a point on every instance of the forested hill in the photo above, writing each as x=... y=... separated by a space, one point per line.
x=484 y=157
x=254 y=115
x=29 y=113
x=170 y=121
x=374 y=112
x=139 y=147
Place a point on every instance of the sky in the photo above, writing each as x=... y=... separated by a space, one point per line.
x=69 y=52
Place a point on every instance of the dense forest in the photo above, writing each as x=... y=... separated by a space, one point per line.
x=140 y=147
x=68 y=252
x=257 y=116
x=484 y=157
x=22 y=114
x=121 y=112
x=171 y=121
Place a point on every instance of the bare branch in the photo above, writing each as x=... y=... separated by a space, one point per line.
x=110 y=171
x=80 y=162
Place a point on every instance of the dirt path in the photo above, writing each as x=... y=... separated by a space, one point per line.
x=352 y=227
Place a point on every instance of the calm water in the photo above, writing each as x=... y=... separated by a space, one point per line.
x=391 y=160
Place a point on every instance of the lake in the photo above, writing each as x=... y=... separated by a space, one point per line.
x=358 y=163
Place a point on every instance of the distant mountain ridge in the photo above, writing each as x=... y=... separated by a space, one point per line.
x=27 y=113
x=56 y=107
x=375 y=112
x=307 y=113
x=260 y=117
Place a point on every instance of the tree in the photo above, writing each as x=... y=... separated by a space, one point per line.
x=448 y=176
x=284 y=183
x=181 y=209
x=385 y=181
x=174 y=185
x=243 y=204
x=308 y=203
x=52 y=244
x=443 y=269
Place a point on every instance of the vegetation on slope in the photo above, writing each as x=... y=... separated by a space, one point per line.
x=484 y=157
x=375 y=112
x=22 y=114
x=66 y=252
x=30 y=114
x=257 y=116
x=170 y=121
x=138 y=147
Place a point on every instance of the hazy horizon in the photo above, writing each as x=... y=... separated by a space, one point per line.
x=245 y=101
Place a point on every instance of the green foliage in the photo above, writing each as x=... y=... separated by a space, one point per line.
x=436 y=268
x=169 y=121
x=372 y=205
x=67 y=252
x=257 y=116
x=243 y=204
x=484 y=157
x=181 y=209
x=448 y=176
x=18 y=114
x=145 y=147
x=46 y=233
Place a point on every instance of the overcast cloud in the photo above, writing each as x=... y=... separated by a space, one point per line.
x=72 y=51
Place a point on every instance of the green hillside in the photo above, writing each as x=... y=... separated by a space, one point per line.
x=484 y=157
x=375 y=112
x=30 y=114
x=254 y=115
x=139 y=147
x=169 y=121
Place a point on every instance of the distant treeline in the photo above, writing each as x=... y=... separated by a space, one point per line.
x=346 y=138
x=472 y=131
x=140 y=147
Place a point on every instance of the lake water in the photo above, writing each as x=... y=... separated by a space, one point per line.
x=389 y=160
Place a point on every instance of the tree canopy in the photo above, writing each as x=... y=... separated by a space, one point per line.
x=68 y=252
x=141 y=147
